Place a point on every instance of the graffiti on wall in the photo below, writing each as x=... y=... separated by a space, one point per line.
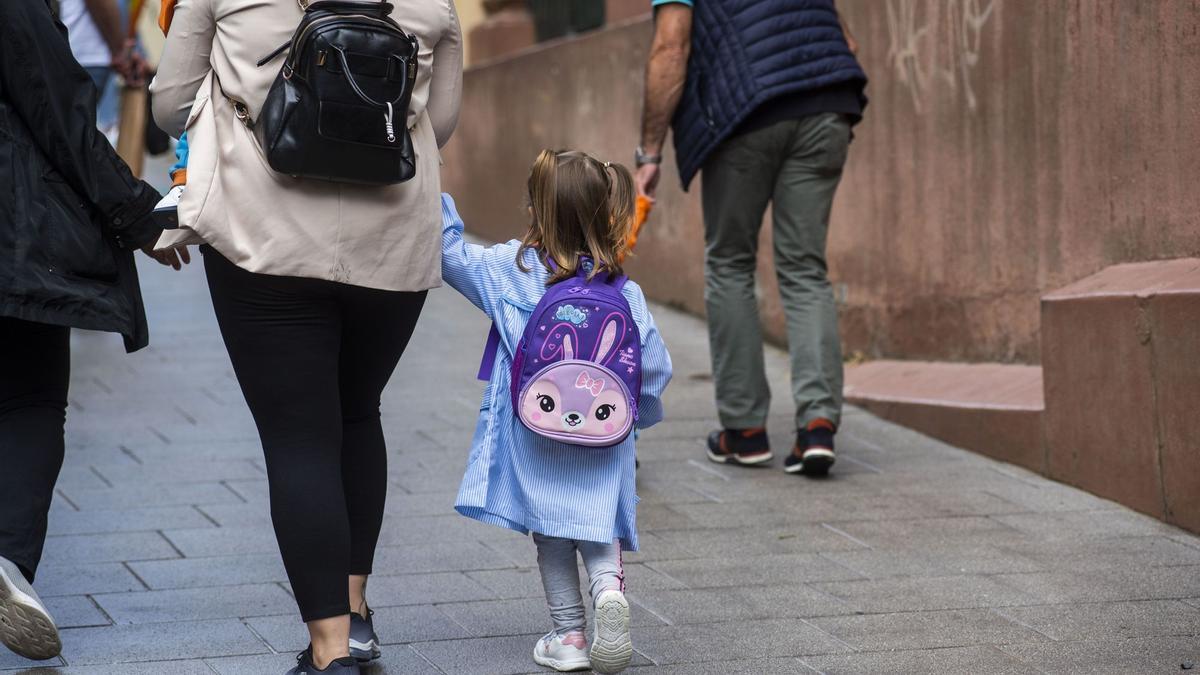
x=934 y=46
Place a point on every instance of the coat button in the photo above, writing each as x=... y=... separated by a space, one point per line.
x=117 y=221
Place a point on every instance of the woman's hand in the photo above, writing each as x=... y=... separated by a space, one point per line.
x=171 y=257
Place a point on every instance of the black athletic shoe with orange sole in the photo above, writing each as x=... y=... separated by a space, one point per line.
x=813 y=453
x=744 y=447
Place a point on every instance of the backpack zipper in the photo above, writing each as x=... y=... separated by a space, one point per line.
x=291 y=65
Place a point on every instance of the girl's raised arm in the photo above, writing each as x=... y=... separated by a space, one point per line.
x=479 y=273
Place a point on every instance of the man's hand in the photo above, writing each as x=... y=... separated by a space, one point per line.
x=131 y=65
x=646 y=180
x=170 y=257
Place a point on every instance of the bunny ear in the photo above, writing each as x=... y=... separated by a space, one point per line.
x=608 y=337
x=568 y=349
x=561 y=338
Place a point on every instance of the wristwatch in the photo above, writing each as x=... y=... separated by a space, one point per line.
x=640 y=157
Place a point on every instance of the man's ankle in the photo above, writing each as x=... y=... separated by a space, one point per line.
x=821 y=423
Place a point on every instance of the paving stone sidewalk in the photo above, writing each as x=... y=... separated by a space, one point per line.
x=913 y=557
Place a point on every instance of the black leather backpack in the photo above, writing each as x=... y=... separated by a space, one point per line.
x=338 y=109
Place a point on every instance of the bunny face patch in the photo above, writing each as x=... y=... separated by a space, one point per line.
x=579 y=400
x=577 y=370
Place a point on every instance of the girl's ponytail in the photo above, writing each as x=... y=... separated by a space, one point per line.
x=608 y=237
x=543 y=209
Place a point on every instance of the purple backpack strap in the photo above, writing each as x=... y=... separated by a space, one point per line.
x=489 y=354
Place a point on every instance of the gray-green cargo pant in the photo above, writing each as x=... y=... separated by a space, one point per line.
x=796 y=165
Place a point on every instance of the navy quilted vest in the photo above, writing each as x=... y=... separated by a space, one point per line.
x=746 y=52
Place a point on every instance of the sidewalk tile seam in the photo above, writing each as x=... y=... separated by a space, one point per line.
x=200 y=509
x=847 y=535
x=237 y=494
x=131 y=454
x=266 y=644
x=59 y=494
x=831 y=636
x=137 y=576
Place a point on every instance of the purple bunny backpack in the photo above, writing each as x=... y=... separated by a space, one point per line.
x=577 y=372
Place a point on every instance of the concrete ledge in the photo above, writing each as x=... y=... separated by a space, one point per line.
x=1121 y=353
x=1114 y=409
x=992 y=409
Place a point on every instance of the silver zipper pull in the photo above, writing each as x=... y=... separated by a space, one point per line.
x=387 y=124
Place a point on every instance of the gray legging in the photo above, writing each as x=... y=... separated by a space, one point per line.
x=560 y=576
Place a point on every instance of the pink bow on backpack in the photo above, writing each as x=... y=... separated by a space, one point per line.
x=585 y=381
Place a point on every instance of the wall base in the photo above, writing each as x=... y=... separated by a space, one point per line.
x=1114 y=409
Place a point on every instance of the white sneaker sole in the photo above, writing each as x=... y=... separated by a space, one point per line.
x=25 y=626
x=817 y=461
x=364 y=652
x=732 y=459
x=611 y=647
x=560 y=666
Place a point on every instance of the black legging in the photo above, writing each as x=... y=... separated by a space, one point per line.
x=312 y=358
x=35 y=368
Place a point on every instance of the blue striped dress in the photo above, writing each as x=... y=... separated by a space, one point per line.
x=518 y=479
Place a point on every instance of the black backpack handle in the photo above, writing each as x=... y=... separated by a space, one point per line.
x=408 y=81
x=382 y=8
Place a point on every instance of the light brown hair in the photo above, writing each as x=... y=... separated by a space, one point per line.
x=579 y=206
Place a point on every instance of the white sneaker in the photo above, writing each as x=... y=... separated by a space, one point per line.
x=611 y=647
x=168 y=207
x=25 y=625
x=563 y=653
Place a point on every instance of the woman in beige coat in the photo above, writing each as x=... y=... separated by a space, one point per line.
x=317 y=287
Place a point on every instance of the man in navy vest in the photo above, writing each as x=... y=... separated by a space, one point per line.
x=761 y=95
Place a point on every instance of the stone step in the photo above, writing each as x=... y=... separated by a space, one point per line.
x=993 y=409
x=1114 y=408
x=1121 y=353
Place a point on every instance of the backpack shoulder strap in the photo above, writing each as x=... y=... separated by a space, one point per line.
x=489 y=354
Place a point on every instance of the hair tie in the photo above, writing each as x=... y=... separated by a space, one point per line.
x=608 y=165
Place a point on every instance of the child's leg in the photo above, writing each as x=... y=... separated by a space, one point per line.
x=603 y=563
x=560 y=579
x=611 y=648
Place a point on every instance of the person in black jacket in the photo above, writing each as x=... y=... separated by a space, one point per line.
x=71 y=215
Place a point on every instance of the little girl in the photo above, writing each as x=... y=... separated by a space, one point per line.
x=571 y=498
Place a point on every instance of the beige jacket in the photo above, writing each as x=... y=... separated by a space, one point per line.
x=263 y=221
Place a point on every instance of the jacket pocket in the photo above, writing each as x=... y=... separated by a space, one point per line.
x=197 y=106
x=75 y=242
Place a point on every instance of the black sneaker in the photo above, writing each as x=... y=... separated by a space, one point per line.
x=745 y=447
x=25 y=625
x=343 y=666
x=364 y=643
x=813 y=454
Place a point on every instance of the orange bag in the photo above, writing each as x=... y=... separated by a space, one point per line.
x=641 y=212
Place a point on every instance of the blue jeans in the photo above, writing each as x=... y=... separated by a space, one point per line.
x=107 y=96
x=100 y=75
